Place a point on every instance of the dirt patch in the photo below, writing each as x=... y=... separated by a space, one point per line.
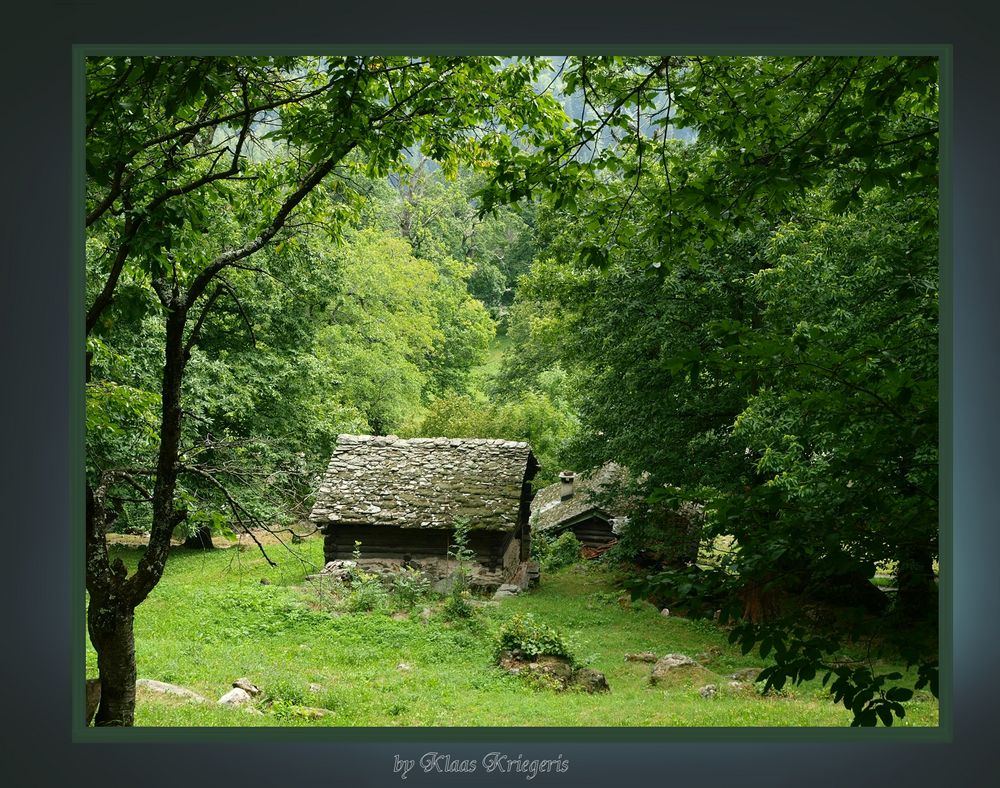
x=279 y=535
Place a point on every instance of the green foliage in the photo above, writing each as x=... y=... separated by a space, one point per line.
x=368 y=594
x=410 y=586
x=283 y=696
x=732 y=288
x=458 y=603
x=754 y=314
x=532 y=417
x=524 y=635
x=555 y=552
x=799 y=656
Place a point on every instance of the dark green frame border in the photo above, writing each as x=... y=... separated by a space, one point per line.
x=943 y=733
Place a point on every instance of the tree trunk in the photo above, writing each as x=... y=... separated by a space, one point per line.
x=93 y=697
x=760 y=603
x=110 y=623
x=916 y=595
x=201 y=539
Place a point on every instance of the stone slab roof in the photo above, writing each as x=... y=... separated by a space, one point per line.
x=423 y=482
x=590 y=491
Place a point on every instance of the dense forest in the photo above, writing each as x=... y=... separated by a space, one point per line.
x=721 y=272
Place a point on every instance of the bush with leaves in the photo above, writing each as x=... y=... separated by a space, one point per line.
x=524 y=635
x=555 y=552
x=409 y=586
x=367 y=594
x=458 y=604
x=800 y=654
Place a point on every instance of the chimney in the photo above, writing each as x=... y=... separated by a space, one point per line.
x=566 y=485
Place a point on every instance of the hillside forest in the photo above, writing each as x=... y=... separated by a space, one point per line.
x=721 y=272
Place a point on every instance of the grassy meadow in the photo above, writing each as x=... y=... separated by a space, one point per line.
x=211 y=620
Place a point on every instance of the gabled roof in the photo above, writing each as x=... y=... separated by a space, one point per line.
x=424 y=482
x=591 y=493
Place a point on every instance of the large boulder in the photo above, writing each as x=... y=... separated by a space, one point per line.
x=553 y=672
x=590 y=680
x=746 y=674
x=507 y=590
x=235 y=697
x=678 y=668
x=247 y=686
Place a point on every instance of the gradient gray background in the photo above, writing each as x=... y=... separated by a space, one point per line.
x=35 y=334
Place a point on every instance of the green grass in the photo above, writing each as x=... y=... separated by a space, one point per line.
x=210 y=621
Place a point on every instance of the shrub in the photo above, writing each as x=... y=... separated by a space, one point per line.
x=409 y=586
x=281 y=692
x=565 y=550
x=458 y=603
x=367 y=594
x=555 y=552
x=526 y=636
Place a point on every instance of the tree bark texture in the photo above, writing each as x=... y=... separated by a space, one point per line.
x=110 y=624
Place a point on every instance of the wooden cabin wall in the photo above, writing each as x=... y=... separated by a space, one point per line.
x=389 y=541
x=593 y=532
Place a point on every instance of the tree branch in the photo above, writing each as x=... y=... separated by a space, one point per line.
x=239 y=512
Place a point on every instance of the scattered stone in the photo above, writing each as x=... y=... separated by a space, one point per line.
x=247 y=686
x=164 y=688
x=400 y=615
x=235 y=697
x=265 y=582
x=405 y=667
x=746 y=674
x=738 y=686
x=708 y=691
x=672 y=661
x=642 y=656
x=425 y=615
x=590 y=680
x=440 y=573
x=315 y=688
x=507 y=590
x=665 y=613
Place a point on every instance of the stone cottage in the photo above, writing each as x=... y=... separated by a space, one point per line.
x=586 y=504
x=401 y=499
